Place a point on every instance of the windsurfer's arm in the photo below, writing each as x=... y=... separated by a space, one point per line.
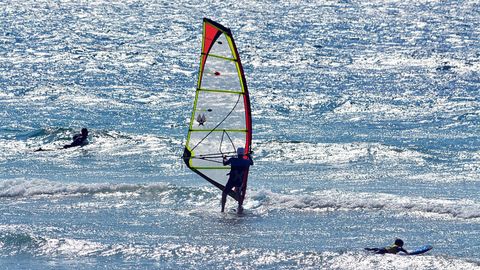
x=403 y=250
x=250 y=158
x=225 y=161
x=78 y=140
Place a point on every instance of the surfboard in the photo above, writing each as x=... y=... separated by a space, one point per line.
x=43 y=150
x=420 y=250
x=221 y=118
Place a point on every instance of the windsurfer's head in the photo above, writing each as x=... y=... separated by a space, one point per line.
x=240 y=151
x=399 y=242
x=84 y=131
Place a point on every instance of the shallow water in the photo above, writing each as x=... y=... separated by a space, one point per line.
x=365 y=115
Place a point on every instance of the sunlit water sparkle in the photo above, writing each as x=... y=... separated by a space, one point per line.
x=366 y=128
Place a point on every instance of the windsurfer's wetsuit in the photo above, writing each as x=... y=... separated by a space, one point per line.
x=393 y=249
x=239 y=165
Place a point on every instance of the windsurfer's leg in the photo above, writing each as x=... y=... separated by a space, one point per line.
x=238 y=191
x=226 y=190
x=224 y=200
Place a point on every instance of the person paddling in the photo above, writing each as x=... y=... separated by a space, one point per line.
x=393 y=249
x=79 y=139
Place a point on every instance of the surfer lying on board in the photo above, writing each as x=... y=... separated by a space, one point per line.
x=393 y=249
x=79 y=139
x=239 y=165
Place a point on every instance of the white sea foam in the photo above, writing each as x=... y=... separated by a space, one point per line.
x=224 y=256
x=338 y=200
x=110 y=143
x=353 y=260
x=68 y=247
x=29 y=188
x=401 y=61
x=334 y=153
x=406 y=107
x=260 y=201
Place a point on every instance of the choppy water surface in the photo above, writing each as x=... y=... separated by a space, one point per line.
x=366 y=128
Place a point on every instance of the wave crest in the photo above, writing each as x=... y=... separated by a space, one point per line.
x=339 y=200
x=25 y=188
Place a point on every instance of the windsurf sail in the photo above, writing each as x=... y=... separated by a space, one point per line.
x=221 y=118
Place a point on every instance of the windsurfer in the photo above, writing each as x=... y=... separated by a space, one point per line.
x=393 y=249
x=79 y=139
x=239 y=166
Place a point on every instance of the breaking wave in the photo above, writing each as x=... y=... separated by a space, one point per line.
x=329 y=200
x=25 y=188
x=259 y=201
x=334 y=153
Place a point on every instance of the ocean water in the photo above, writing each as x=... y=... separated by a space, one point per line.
x=366 y=118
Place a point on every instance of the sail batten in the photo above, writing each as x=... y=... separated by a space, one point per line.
x=220 y=90
x=222 y=57
x=220 y=130
x=221 y=118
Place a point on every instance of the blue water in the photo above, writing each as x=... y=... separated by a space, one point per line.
x=366 y=128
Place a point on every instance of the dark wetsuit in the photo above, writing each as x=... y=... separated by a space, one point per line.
x=78 y=140
x=239 y=166
x=393 y=249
